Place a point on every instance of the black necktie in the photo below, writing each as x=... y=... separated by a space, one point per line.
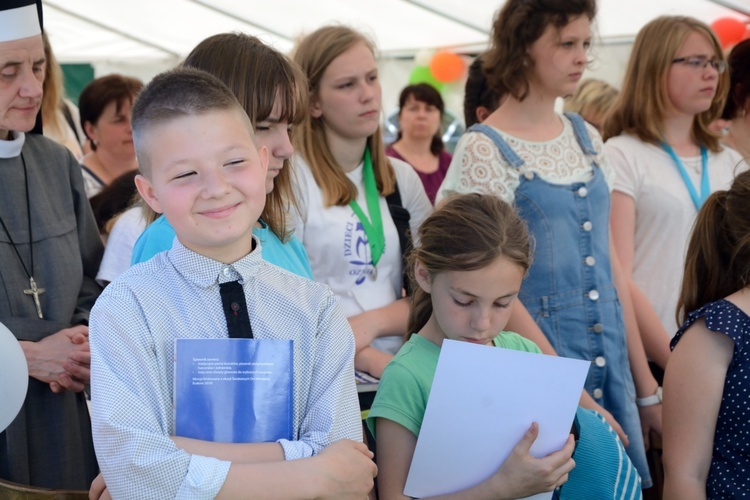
x=235 y=310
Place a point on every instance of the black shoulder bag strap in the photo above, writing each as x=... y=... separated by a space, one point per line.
x=401 y=217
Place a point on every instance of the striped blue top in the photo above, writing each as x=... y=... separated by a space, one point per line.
x=603 y=469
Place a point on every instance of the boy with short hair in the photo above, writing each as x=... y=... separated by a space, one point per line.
x=200 y=167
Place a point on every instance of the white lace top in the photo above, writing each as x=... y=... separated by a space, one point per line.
x=478 y=166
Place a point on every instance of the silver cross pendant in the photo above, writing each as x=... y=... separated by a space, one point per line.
x=36 y=292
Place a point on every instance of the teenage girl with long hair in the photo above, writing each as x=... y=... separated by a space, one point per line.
x=352 y=229
x=550 y=166
x=667 y=162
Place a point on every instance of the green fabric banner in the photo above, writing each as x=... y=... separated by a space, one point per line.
x=76 y=77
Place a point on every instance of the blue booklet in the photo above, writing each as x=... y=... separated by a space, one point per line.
x=233 y=390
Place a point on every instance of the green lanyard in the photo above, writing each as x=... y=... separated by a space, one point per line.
x=373 y=227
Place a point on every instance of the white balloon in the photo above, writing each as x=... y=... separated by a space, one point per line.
x=14 y=377
x=423 y=57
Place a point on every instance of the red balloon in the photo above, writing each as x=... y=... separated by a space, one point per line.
x=729 y=30
x=446 y=66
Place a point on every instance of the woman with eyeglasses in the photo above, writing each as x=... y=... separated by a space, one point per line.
x=667 y=162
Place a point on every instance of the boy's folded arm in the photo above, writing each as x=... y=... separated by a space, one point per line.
x=332 y=411
x=343 y=470
x=247 y=453
x=132 y=410
x=268 y=481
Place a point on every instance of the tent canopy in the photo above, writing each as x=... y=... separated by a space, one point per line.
x=164 y=31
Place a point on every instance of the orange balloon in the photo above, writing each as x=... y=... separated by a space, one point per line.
x=446 y=66
x=728 y=30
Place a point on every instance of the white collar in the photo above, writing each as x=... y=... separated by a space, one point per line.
x=12 y=148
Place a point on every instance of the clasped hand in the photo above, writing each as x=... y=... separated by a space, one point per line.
x=62 y=360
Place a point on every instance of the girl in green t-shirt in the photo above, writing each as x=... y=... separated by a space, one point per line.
x=466 y=273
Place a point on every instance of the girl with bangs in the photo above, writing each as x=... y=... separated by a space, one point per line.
x=356 y=206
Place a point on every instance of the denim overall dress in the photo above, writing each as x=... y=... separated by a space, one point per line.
x=569 y=290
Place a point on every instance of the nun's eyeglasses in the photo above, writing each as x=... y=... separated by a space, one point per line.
x=700 y=63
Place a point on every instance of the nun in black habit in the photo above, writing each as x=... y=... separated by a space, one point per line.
x=49 y=255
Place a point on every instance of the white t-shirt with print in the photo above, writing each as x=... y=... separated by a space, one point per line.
x=337 y=245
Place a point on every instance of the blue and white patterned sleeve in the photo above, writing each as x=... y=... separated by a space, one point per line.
x=132 y=409
x=332 y=411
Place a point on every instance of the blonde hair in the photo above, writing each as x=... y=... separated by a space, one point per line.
x=314 y=54
x=641 y=107
x=593 y=97
x=52 y=89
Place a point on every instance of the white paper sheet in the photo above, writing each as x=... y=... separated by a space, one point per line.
x=483 y=400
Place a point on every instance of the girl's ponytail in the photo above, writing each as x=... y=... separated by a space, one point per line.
x=717 y=263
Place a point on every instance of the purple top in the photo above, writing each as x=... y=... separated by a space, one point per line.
x=431 y=182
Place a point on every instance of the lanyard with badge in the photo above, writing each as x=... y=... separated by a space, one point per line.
x=698 y=200
x=373 y=226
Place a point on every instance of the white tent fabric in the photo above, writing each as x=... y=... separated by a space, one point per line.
x=140 y=38
x=164 y=31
